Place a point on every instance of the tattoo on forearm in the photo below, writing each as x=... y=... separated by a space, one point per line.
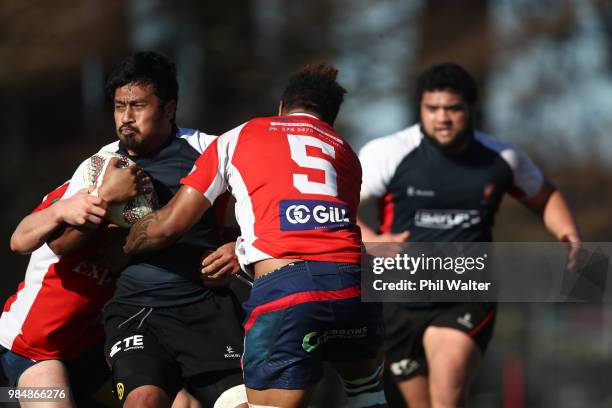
x=138 y=239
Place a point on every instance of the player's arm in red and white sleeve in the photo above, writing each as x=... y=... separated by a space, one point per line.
x=118 y=185
x=201 y=187
x=220 y=264
x=377 y=173
x=533 y=189
x=54 y=212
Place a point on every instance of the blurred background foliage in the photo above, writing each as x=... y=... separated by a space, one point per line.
x=545 y=74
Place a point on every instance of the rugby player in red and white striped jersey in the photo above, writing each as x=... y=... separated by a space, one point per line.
x=296 y=184
x=50 y=334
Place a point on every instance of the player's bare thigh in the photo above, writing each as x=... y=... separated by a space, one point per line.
x=48 y=373
x=451 y=368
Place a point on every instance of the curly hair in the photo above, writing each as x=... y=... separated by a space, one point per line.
x=314 y=88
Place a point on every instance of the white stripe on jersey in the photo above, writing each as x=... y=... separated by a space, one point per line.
x=226 y=144
x=245 y=216
x=12 y=320
x=526 y=176
x=196 y=139
x=381 y=157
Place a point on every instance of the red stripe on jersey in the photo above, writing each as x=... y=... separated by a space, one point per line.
x=386 y=213
x=52 y=197
x=482 y=324
x=49 y=199
x=54 y=314
x=261 y=144
x=292 y=161
x=61 y=322
x=204 y=170
x=299 y=298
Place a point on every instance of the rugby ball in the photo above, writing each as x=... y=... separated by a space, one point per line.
x=126 y=213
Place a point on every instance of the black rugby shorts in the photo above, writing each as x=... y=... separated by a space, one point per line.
x=197 y=345
x=405 y=327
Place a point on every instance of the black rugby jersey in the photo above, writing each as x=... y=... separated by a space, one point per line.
x=171 y=276
x=440 y=197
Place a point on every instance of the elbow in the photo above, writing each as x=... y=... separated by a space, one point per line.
x=168 y=236
x=18 y=247
x=169 y=233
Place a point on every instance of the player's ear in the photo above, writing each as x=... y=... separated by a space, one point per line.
x=170 y=108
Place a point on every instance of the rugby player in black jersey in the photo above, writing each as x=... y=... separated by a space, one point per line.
x=441 y=180
x=165 y=328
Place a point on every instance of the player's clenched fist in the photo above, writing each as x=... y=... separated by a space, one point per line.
x=81 y=209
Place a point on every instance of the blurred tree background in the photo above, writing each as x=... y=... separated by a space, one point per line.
x=545 y=75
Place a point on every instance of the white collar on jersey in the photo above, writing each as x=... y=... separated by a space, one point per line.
x=302 y=114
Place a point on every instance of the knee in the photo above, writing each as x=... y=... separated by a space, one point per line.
x=147 y=396
x=449 y=388
x=446 y=393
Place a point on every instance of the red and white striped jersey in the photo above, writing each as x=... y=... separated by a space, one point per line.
x=55 y=312
x=296 y=184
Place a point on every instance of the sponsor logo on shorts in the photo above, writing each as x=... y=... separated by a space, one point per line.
x=446 y=219
x=404 y=367
x=299 y=215
x=129 y=343
x=120 y=391
x=231 y=353
x=466 y=320
x=310 y=342
x=313 y=340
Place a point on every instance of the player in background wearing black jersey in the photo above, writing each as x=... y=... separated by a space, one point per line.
x=166 y=329
x=427 y=177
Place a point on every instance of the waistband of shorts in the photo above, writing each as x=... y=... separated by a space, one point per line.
x=302 y=277
x=302 y=267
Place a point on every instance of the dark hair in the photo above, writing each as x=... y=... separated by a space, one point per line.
x=314 y=88
x=447 y=76
x=145 y=68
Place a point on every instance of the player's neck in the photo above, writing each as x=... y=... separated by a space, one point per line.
x=300 y=111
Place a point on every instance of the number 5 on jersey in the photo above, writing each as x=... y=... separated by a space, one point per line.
x=297 y=145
